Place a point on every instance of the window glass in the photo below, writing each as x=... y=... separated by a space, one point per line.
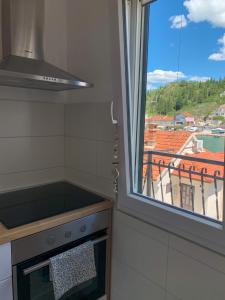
x=181 y=156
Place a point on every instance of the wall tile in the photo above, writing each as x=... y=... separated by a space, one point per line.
x=30 y=119
x=147 y=256
x=199 y=253
x=132 y=286
x=171 y=297
x=104 y=159
x=6 y=289
x=80 y=120
x=81 y=154
x=26 y=154
x=19 y=180
x=189 y=279
x=104 y=132
x=150 y=231
x=115 y=295
x=81 y=178
x=102 y=186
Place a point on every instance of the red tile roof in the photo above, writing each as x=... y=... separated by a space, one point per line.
x=219 y=156
x=187 y=114
x=167 y=141
x=159 y=118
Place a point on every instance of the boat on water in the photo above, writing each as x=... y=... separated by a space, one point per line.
x=218 y=131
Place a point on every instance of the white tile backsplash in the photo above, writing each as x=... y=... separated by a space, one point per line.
x=105 y=129
x=81 y=154
x=104 y=159
x=31 y=143
x=89 y=147
x=80 y=121
x=19 y=119
x=89 y=181
x=18 y=180
x=31 y=153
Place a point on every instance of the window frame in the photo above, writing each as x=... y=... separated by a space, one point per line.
x=202 y=231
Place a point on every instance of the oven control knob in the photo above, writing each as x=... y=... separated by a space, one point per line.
x=51 y=240
x=68 y=234
x=83 y=228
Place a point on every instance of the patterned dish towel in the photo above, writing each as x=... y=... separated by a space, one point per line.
x=71 y=268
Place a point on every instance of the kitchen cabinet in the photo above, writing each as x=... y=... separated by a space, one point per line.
x=5 y=261
x=6 y=289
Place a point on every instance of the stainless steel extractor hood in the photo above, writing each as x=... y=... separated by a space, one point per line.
x=22 y=59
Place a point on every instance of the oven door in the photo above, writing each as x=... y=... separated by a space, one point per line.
x=32 y=281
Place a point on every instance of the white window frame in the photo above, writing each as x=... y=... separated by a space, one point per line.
x=200 y=230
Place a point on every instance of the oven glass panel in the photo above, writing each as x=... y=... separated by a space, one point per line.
x=38 y=286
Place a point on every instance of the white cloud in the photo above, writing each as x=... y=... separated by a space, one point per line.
x=212 y=11
x=219 y=56
x=199 y=78
x=159 y=78
x=178 y=22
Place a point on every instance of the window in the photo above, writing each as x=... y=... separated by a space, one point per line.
x=187 y=194
x=173 y=79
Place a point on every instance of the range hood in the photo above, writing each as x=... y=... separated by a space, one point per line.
x=22 y=59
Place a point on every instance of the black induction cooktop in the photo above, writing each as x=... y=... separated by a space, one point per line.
x=25 y=206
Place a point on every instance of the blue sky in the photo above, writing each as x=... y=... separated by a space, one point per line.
x=191 y=32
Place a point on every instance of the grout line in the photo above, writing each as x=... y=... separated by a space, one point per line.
x=31 y=170
x=31 y=136
x=88 y=173
x=139 y=273
x=198 y=260
x=31 y=101
x=88 y=139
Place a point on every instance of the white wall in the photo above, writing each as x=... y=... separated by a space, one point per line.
x=149 y=263
x=31 y=143
x=88 y=146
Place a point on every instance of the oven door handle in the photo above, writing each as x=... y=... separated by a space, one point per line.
x=47 y=262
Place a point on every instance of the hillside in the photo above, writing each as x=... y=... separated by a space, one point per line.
x=200 y=98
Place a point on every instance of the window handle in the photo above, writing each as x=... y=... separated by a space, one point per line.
x=114 y=121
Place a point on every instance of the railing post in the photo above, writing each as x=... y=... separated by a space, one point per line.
x=216 y=173
x=203 y=170
x=149 y=174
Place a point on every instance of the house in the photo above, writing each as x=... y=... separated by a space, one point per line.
x=180 y=119
x=159 y=120
x=220 y=111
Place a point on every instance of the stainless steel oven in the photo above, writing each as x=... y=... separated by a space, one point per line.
x=30 y=255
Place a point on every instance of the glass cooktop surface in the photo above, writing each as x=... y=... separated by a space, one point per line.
x=28 y=205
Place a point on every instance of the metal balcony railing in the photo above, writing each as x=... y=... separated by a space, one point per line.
x=165 y=176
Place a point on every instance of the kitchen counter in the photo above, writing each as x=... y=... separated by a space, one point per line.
x=8 y=235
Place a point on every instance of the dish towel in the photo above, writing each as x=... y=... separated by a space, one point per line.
x=71 y=268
